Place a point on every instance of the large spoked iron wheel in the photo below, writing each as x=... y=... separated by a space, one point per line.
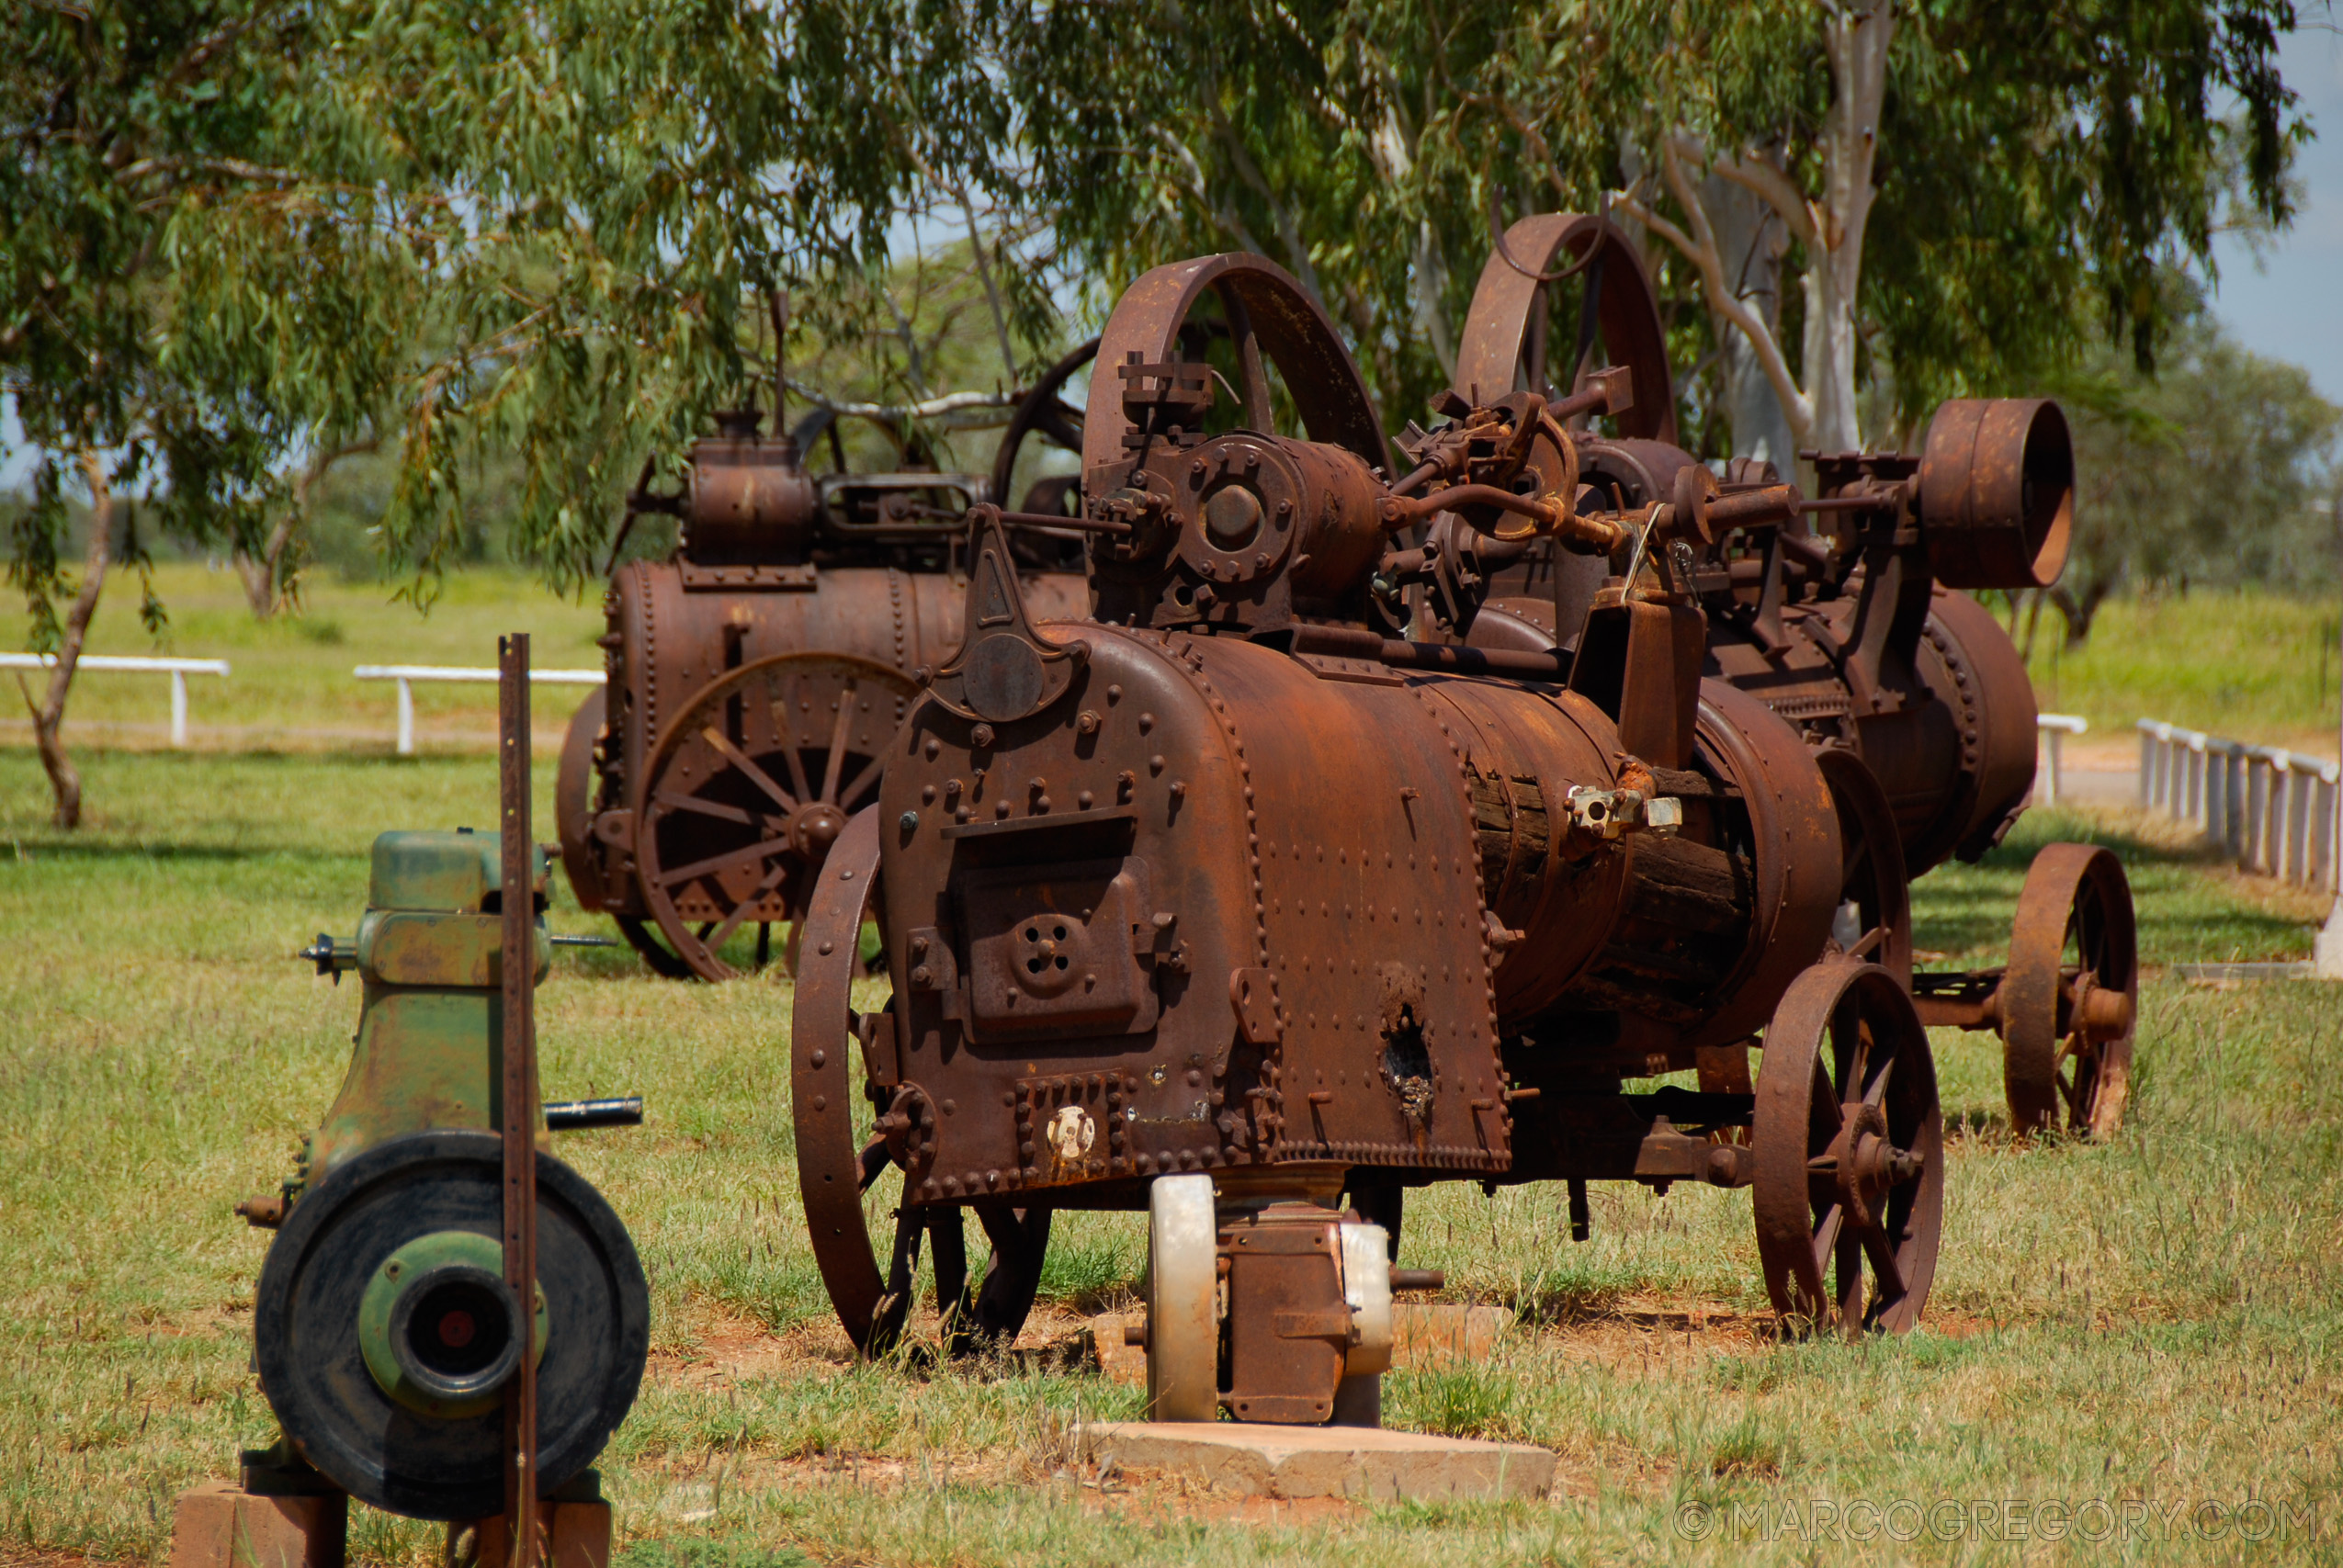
x=1849 y=1146
x=2069 y=999
x=1508 y=339
x=1046 y=413
x=747 y=790
x=1873 y=887
x=852 y=1137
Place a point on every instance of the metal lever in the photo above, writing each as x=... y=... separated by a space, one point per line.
x=580 y=1115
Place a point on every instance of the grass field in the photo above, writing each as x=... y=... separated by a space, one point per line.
x=2250 y=665
x=2154 y=1319
x=290 y=686
x=2247 y=664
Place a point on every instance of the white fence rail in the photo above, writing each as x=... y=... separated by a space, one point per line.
x=407 y=675
x=2270 y=809
x=2053 y=728
x=177 y=669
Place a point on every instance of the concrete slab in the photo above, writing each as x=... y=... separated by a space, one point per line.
x=1358 y=1464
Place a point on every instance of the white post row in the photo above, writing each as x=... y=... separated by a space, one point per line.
x=408 y=674
x=2270 y=809
x=2055 y=728
x=177 y=669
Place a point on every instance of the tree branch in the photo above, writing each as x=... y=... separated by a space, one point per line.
x=1701 y=249
x=1769 y=183
x=930 y=408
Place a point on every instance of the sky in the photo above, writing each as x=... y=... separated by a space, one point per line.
x=2288 y=303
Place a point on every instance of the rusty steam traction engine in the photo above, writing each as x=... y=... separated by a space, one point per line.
x=1230 y=901
x=1913 y=698
x=797 y=604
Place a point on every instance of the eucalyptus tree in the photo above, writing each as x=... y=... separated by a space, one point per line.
x=1922 y=196
x=186 y=301
x=244 y=234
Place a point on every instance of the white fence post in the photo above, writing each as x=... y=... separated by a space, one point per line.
x=2271 y=810
x=2054 y=728
x=407 y=675
x=177 y=669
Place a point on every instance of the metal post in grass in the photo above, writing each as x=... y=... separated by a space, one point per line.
x=518 y=1062
x=2326 y=957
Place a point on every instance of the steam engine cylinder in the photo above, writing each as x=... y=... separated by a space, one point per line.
x=1222 y=905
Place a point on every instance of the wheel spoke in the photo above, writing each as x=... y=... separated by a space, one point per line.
x=838 y=734
x=1876 y=1089
x=1825 y=1234
x=1871 y=943
x=779 y=707
x=1890 y=1274
x=725 y=927
x=739 y=759
x=764 y=848
x=862 y=783
x=670 y=800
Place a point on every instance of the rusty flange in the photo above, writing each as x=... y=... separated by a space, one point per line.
x=2068 y=1002
x=1850 y=1148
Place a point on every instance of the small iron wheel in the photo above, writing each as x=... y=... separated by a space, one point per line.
x=1849 y=1147
x=573 y=800
x=2069 y=998
x=853 y=1137
x=1183 y=1290
x=748 y=788
x=1873 y=887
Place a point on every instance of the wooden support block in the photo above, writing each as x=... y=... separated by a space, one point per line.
x=220 y=1525
x=577 y=1535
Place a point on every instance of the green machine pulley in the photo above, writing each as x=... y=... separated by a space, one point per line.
x=385 y=1332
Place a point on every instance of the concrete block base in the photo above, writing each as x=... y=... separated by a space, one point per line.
x=1362 y=1464
x=220 y=1525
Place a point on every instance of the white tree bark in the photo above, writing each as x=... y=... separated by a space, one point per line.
x=1818 y=406
x=1752 y=242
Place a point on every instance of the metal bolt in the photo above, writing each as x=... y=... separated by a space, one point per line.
x=908 y=821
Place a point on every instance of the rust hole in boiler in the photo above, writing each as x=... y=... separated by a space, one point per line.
x=1407 y=1064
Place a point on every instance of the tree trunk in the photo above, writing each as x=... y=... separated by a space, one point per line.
x=1819 y=402
x=263 y=581
x=1857 y=43
x=1751 y=241
x=48 y=714
x=260 y=575
x=2078 y=610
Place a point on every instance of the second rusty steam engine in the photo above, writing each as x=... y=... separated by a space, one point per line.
x=1231 y=902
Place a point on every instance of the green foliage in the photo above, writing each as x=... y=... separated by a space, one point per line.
x=196 y=280
x=634 y=182
x=2217 y=469
x=2035 y=168
x=2042 y=168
